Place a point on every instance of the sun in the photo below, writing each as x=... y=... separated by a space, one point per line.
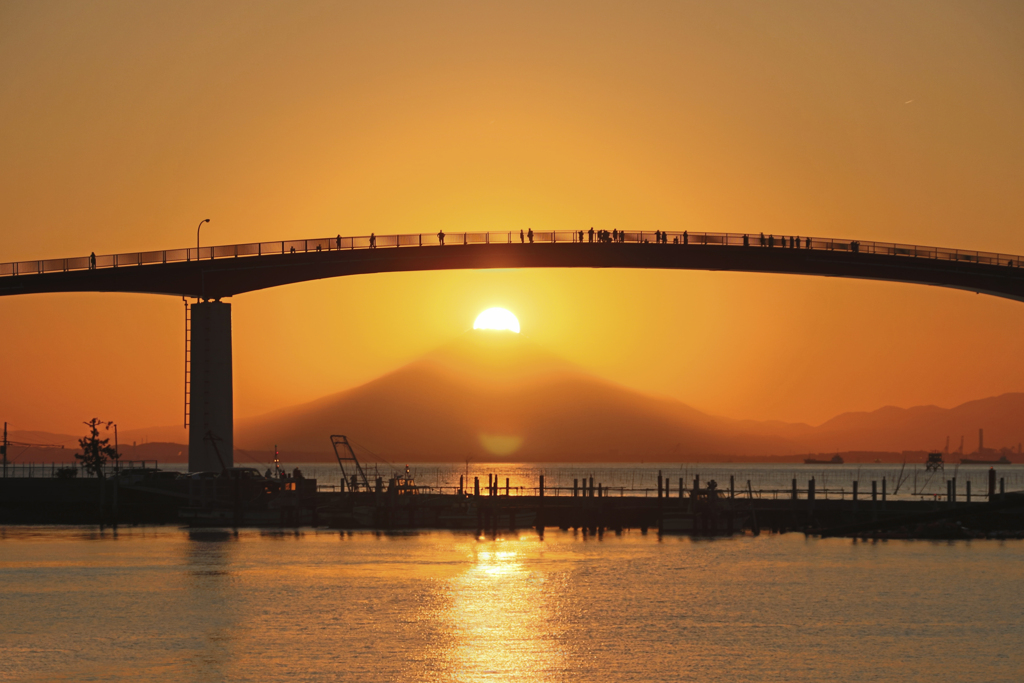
x=496 y=319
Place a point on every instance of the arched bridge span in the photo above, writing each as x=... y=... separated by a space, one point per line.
x=223 y=271
x=213 y=273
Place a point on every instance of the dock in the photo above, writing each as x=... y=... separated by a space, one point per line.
x=245 y=499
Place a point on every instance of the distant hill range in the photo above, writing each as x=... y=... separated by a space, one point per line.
x=498 y=396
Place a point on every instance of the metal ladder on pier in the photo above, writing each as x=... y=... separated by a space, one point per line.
x=348 y=456
x=188 y=358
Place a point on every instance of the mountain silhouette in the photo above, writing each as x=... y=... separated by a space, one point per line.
x=499 y=396
x=494 y=394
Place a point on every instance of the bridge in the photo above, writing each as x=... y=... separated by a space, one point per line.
x=209 y=274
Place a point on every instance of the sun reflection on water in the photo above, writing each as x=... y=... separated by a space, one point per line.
x=499 y=617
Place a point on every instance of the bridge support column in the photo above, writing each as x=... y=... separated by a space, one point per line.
x=211 y=401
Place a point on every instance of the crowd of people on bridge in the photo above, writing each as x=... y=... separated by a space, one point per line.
x=616 y=236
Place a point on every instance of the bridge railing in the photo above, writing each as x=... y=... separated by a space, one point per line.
x=339 y=243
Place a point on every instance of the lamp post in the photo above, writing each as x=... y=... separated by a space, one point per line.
x=205 y=220
x=117 y=455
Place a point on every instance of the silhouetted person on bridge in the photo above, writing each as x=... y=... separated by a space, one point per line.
x=318 y=247
x=797 y=242
x=771 y=240
x=686 y=237
x=762 y=239
x=293 y=250
x=522 y=238
x=791 y=242
x=529 y=235
x=337 y=241
x=373 y=241
x=92 y=261
x=615 y=235
x=590 y=235
x=581 y=237
x=657 y=236
x=808 y=242
x=746 y=240
x=440 y=237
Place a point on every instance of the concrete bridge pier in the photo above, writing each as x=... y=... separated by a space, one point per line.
x=211 y=412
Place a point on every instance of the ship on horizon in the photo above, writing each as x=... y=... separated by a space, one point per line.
x=973 y=461
x=836 y=460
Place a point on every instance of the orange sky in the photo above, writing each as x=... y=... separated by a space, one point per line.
x=124 y=124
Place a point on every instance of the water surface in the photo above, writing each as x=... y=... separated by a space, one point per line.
x=166 y=604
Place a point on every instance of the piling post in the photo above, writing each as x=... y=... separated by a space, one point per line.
x=810 y=501
x=506 y=487
x=874 y=499
x=883 y=493
x=949 y=491
x=476 y=487
x=753 y=511
x=659 y=484
x=540 y=506
x=461 y=484
x=953 y=488
x=732 y=488
x=591 y=487
x=968 y=490
x=681 y=491
x=117 y=485
x=236 y=500
x=575 y=487
x=991 y=483
x=794 y=494
x=1002 y=488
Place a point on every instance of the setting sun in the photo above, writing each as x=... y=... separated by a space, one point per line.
x=496 y=319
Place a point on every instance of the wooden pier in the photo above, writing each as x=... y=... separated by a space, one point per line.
x=493 y=506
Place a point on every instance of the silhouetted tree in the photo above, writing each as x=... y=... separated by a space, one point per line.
x=96 y=451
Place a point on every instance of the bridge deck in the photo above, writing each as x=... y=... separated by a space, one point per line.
x=227 y=270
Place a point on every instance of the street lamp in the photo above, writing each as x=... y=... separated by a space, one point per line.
x=205 y=220
x=117 y=455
